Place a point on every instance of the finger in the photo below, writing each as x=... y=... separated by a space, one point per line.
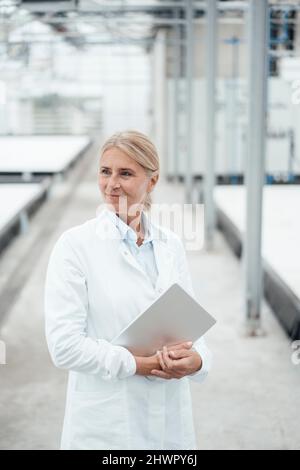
x=179 y=354
x=162 y=374
x=182 y=365
x=161 y=361
x=166 y=358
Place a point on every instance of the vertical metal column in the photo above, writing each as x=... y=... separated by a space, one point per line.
x=176 y=89
x=211 y=75
x=189 y=100
x=255 y=167
x=160 y=95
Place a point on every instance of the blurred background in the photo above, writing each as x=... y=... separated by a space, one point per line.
x=216 y=86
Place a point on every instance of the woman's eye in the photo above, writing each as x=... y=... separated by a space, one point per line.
x=106 y=172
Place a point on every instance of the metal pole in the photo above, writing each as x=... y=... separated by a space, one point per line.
x=189 y=100
x=211 y=74
x=160 y=95
x=177 y=77
x=258 y=40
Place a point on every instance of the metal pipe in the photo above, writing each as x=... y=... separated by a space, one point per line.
x=189 y=101
x=255 y=166
x=176 y=92
x=211 y=73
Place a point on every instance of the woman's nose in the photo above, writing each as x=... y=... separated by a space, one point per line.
x=114 y=182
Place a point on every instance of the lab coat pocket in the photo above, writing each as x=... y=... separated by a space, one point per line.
x=92 y=383
x=97 y=420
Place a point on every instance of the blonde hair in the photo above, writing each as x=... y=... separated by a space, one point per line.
x=138 y=147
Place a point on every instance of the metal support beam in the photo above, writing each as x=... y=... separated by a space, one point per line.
x=176 y=92
x=211 y=74
x=189 y=101
x=160 y=95
x=255 y=167
x=148 y=7
x=113 y=8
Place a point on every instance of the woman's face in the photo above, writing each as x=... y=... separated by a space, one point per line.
x=122 y=181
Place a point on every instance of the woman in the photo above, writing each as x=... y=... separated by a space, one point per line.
x=101 y=275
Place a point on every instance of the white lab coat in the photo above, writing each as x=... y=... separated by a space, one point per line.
x=94 y=288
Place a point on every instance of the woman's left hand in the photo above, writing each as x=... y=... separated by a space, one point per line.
x=177 y=364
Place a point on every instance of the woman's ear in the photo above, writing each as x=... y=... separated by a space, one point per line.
x=153 y=182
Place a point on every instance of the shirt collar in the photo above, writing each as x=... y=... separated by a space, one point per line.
x=127 y=232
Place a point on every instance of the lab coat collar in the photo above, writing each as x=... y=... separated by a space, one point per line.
x=128 y=232
x=108 y=229
x=165 y=257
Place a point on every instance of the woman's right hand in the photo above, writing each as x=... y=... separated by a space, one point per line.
x=144 y=365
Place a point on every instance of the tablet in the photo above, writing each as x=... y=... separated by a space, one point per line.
x=174 y=317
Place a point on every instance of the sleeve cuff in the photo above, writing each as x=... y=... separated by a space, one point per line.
x=129 y=363
x=205 y=354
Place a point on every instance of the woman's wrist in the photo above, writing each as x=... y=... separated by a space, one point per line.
x=144 y=365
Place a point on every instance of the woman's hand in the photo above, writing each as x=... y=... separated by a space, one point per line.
x=175 y=364
x=145 y=365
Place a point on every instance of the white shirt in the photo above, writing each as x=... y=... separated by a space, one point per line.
x=144 y=254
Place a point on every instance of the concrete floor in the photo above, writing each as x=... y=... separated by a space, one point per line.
x=251 y=399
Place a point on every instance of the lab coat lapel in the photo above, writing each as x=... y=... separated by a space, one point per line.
x=164 y=256
x=165 y=260
x=127 y=256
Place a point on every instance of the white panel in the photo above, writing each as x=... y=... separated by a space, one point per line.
x=281 y=226
x=39 y=154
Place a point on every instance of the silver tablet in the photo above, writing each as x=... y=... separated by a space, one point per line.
x=174 y=317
